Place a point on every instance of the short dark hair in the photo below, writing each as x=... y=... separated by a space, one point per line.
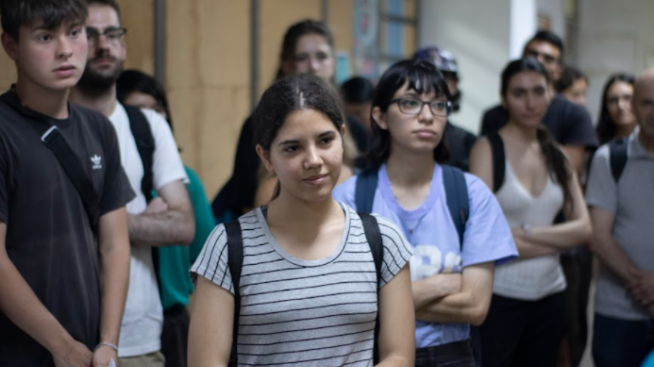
x=549 y=37
x=569 y=76
x=423 y=77
x=53 y=13
x=111 y=3
x=292 y=94
x=357 y=90
x=131 y=81
x=293 y=35
x=606 y=129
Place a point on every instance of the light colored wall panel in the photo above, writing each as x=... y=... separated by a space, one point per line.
x=138 y=18
x=207 y=74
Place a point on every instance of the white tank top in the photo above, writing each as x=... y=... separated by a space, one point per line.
x=533 y=278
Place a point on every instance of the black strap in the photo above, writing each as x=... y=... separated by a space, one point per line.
x=52 y=138
x=235 y=263
x=71 y=164
x=374 y=239
x=456 y=191
x=499 y=160
x=364 y=191
x=145 y=145
x=618 y=157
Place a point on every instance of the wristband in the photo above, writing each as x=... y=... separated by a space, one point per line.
x=105 y=344
x=525 y=229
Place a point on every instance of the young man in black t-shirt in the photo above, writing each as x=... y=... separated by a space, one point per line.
x=64 y=280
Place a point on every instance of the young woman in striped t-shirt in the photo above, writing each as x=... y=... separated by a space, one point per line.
x=308 y=284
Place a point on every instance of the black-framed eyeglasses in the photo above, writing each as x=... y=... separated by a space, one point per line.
x=113 y=35
x=414 y=106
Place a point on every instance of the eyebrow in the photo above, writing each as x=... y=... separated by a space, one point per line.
x=297 y=141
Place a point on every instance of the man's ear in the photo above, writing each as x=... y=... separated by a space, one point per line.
x=10 y=45
x=379 y=118
x=265 y=158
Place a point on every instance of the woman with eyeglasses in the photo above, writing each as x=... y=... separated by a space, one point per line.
x=451 y=276
x=525 y=323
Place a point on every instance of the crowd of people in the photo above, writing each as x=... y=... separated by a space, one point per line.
x=360 y=226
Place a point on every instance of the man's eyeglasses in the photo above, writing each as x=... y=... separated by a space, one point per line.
x=414 y=106
x=112 y=35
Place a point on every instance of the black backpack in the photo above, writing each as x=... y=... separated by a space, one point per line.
x=235 y=264
x=145 y=145
x=618 y=156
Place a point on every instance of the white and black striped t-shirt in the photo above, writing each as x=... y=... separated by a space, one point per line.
x=305 y=312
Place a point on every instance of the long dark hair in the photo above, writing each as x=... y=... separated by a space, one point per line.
x=606 y=128
x=131 y=81
x=298 y=92
x=423 y=77
x=293 y=35
x=557 y=164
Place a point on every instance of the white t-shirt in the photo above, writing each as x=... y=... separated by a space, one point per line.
x=140 y=332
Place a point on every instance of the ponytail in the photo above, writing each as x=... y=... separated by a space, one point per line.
x=557 y=163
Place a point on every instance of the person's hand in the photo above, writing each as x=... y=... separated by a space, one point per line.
x=103 y=355
x=157 y=205
x=75 y=355
x=643 y=289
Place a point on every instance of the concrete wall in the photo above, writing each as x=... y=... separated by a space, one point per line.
x=478 y=33
x=614 y=36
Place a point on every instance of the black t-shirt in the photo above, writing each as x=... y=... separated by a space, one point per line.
x=459 y=142
x=569 y=124
x=49 y=238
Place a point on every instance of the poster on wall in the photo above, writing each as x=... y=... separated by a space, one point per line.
x=366 y=26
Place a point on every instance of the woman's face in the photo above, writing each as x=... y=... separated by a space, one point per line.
x=576 y=93
x=618 y=103
x=306 y=156
x=414 y=126
x=140 y=99
x=527 y=98
x=313 y=55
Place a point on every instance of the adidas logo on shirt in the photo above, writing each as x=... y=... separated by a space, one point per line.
x=97 y=162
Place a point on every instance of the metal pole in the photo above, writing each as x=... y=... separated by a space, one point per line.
x=324 y=5
x=160 y=41
x=254 y=53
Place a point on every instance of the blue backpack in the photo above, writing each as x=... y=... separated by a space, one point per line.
x=456 y=192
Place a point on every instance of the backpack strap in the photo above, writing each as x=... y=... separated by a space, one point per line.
x=374 y=239
x=145 y=145
x=499 y=160
x=56 y=142
x=618 y=157
x=364 y=192
x=456 y=191
x=68 y=160
x=235 y=263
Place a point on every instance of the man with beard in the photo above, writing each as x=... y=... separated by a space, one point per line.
x=164 y=221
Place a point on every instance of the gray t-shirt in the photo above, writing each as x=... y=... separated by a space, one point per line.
x=298 y=312
x=632 y=202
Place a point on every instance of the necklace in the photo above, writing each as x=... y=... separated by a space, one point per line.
x=411 y=230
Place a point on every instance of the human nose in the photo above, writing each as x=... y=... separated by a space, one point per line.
x=425 y=114
x=312 y=158
x=65 y=49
